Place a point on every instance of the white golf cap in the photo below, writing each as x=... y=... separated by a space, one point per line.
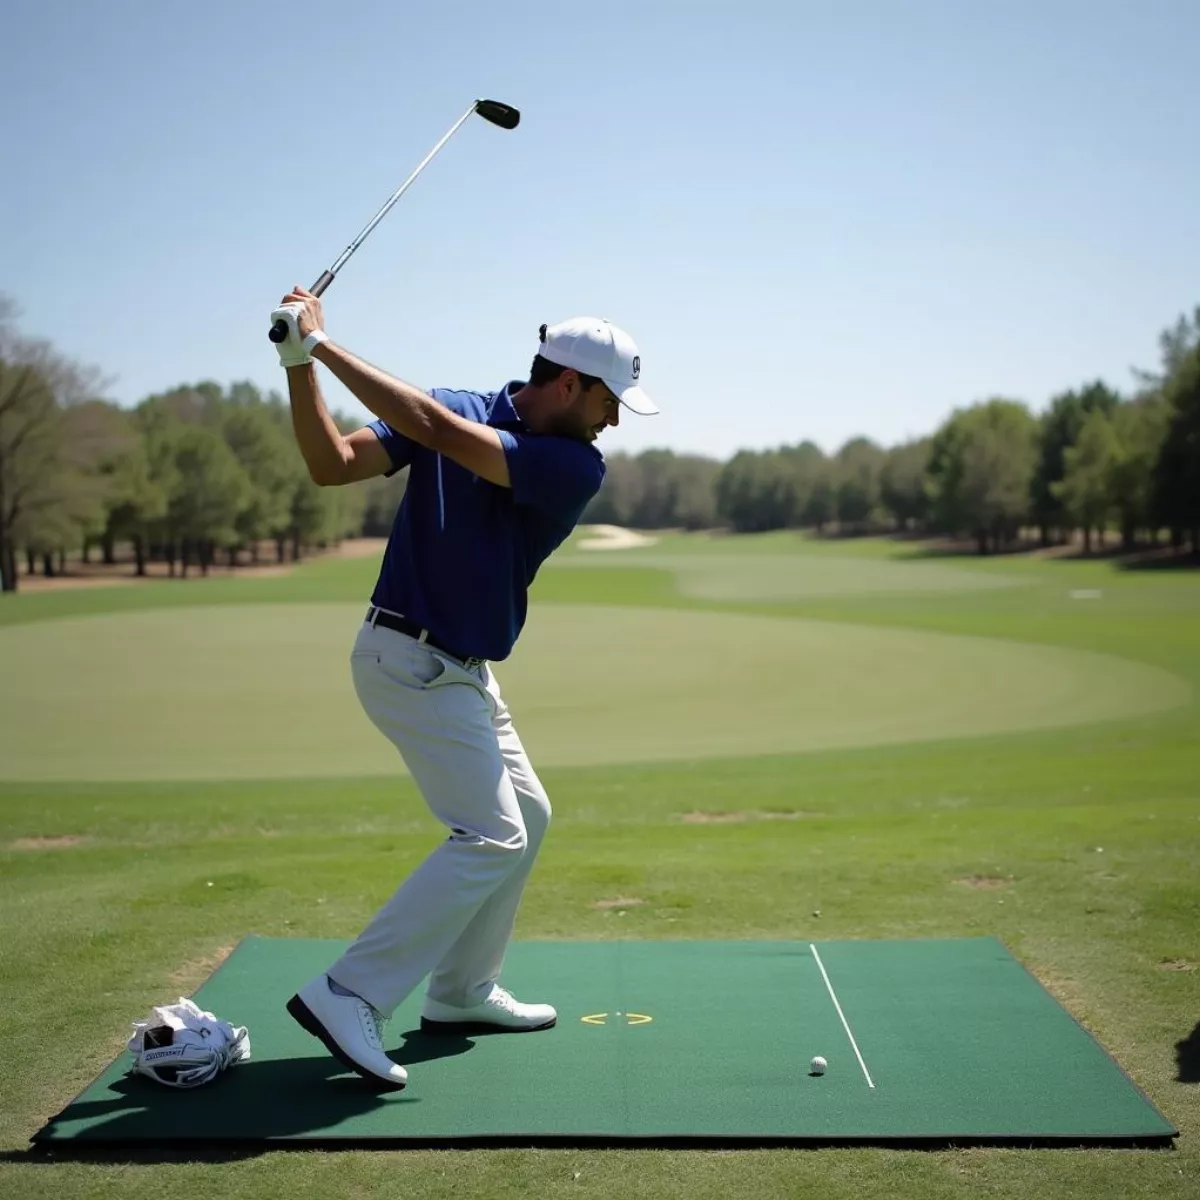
x=594 y=346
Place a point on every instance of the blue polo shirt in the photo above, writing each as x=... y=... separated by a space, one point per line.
x=462 y=551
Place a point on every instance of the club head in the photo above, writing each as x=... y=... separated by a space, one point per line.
x=500 y=114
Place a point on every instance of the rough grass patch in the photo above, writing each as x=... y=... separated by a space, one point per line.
x=188 y=976
x=739 y=818
x=618 y=902
x=64 y=841
x=986 y=883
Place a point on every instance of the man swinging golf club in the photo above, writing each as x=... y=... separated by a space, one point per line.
x=496 y=483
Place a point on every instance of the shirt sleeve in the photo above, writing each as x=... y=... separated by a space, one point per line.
x=401 y=448
x=554 y=474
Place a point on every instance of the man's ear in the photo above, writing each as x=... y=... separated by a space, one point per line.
x=570 y=384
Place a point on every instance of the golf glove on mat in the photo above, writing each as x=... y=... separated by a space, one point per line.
x=182 y=1046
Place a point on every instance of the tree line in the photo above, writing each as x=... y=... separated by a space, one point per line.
x=188 y=474
x=1093 y=461
x=202 y=471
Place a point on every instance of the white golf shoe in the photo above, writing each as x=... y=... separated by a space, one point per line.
x=499 y=1013
x=350 y=1029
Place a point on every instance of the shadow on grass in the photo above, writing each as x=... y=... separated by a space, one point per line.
x=1152 y=561
x=1160 y=558
x=251 y=1109
x=969 y=550
x=1187 y=1057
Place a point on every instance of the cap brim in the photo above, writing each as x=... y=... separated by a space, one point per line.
x=634 y=399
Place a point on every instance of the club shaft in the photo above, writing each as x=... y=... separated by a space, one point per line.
x=354 y=245
x=503 y=115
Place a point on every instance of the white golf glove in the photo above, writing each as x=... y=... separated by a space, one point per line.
x=183 y=1046
x=292 y=351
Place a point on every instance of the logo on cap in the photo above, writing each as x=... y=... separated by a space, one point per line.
x=637 y=365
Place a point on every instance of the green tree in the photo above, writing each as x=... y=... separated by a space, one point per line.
x=29 y=420
x=654 y=507
x=1059 y=429
x=857 y=468
x=695 y=492
x=902 y=483
x=981 y=466
x=269 y=460
x=137 y=503
x=804 y=466
x=658 y=489
x=37 y=388
x=820 y=504
x=211 y=489
x=1085 y=491
x=1177 y=472
x=95 y=436
x=1175 y=344
x=318 y=516
x=160 y=426
x=738 y=491
x=1140 y=427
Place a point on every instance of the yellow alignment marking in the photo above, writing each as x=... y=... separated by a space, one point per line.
x=630 y=1018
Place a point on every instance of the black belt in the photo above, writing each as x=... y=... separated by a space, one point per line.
x=377 y=616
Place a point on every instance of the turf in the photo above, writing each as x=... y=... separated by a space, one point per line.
x=953 y=1043
x=1077 y=846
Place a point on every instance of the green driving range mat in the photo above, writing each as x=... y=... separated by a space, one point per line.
x=661 y=1043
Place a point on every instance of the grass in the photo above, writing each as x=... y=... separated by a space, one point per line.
x=1079 y=847
x=262 y=690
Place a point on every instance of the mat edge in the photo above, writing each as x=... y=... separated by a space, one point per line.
x=1094 y=1039
x=40 y=1136
x=98 y=1147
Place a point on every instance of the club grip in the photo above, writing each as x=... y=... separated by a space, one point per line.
x=279 y=330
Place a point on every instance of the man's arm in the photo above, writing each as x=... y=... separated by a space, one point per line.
x=410 y=411
x=332 y=458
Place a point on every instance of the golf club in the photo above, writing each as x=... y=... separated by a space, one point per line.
x=494 y=111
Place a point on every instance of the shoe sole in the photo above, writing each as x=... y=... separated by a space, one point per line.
x=304 y=1017
x=428 y=1026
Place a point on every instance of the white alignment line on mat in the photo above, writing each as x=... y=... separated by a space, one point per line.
x=845 y=1023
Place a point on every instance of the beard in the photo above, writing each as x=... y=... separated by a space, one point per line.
x=570 y=424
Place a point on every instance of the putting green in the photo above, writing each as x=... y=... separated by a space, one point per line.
x=264 y=691
x=721 y=574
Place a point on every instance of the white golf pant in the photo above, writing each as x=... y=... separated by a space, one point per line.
x=453 y=917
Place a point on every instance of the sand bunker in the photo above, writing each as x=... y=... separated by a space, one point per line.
x=611 y=537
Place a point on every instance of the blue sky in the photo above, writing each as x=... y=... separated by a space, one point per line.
x=817 y=220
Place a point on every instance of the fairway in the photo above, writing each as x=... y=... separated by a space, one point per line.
x=263 y=691
x=746 y=741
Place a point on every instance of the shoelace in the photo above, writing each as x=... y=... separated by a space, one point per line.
x=503 y=999
x=374 y=1029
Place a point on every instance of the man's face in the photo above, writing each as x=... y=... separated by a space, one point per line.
x=586 y=412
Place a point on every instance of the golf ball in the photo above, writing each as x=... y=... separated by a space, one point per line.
x=818 y=1065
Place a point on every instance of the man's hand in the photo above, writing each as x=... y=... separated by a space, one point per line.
x=309 y=316
x=301 y=311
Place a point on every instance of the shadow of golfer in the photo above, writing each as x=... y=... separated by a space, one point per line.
x=419 y=1047
x=247 y=1109
x=1187 y=1057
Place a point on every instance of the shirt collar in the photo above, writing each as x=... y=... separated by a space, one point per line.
x=503 y=413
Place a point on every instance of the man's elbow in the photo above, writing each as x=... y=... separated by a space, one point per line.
x=327 y=474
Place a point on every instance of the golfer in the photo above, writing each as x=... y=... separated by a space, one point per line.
x=496 y=483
